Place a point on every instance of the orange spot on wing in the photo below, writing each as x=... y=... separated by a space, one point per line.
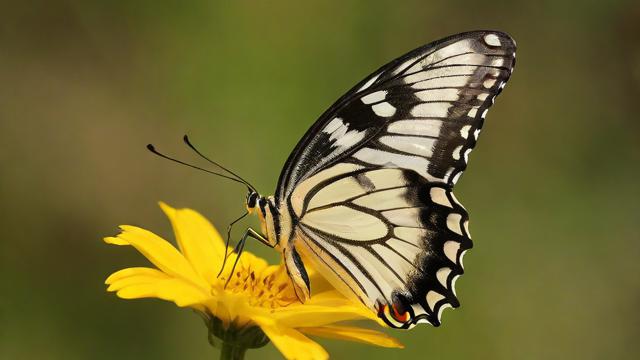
x=400 y=317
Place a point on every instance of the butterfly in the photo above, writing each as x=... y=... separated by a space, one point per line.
x=366 y=197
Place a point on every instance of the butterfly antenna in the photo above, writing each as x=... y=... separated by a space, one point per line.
x=151 y=148
x=188 y=142
x=226 y=247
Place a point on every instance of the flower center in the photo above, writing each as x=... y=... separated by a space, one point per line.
x=270 y=289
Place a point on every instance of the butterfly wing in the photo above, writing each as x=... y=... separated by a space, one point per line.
x=369 y=185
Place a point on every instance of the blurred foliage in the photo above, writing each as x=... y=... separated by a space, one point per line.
x=552 y=188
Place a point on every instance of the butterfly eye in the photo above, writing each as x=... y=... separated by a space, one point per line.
x=251 y=200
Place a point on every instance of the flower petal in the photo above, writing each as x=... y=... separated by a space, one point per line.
x=357 y=334
x=136 y=271
x=291 y=343
x=197 y=239
x=115 y=241
x=159 y=252
x=323 y=309
x=136 y=283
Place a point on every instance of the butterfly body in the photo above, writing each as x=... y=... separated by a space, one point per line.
x=366 y=197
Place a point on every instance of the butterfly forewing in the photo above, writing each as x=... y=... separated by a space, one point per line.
x=369 y=186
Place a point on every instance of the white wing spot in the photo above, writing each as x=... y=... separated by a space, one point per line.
x=462 y=254
x=339 y=131
x=484 y=113
x=374 y=97
x=492 y=40
x=464 y=131
x=456 y=177
x=466 y=228
x=439 y=196
x=443 y=274
x=489 y=83
x=431 y=110
x=349 y=139
x=453 y=284
x=433 y=298
x=476 y=133
x=427 y=127
x=451 y=250
x=472 y=113
x=453 y=223
x=466 y=155
x=497 y=62
x=456 y=152
x=333 y=125
x=383 y=109
x=483 y=96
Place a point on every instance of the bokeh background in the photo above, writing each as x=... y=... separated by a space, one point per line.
x=85 y=85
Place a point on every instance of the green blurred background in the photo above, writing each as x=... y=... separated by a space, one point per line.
x=552 y=188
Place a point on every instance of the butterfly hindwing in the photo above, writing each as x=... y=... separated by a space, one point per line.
x=394 y=238
x=369 y=187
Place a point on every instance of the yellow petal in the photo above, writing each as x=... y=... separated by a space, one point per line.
x=141 y=285
x=160 y=253
x=316 y=315
x=357 y=334
x=135 y=271
x=291 y=343
x=323 y=309
x=197 y=239
x=115 y=241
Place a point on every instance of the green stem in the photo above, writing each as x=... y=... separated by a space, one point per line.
x=230 y=352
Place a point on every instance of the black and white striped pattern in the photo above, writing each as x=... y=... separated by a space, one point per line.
x=369 y=187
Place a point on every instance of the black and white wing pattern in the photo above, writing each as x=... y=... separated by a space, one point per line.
x=369 y=187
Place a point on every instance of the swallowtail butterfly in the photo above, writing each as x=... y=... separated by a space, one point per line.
x=366 y=195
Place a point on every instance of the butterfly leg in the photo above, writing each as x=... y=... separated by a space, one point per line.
x=256 y=235
x=226 y=246
x=240 y=247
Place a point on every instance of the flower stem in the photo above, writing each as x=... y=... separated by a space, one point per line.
x=230 y=352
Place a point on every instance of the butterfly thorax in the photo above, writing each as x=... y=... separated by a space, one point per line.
x=271 y=223
x=277 y=225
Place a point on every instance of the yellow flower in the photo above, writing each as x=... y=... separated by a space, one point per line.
x=258 y=294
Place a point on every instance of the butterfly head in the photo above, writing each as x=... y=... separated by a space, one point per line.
x=252 y=200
